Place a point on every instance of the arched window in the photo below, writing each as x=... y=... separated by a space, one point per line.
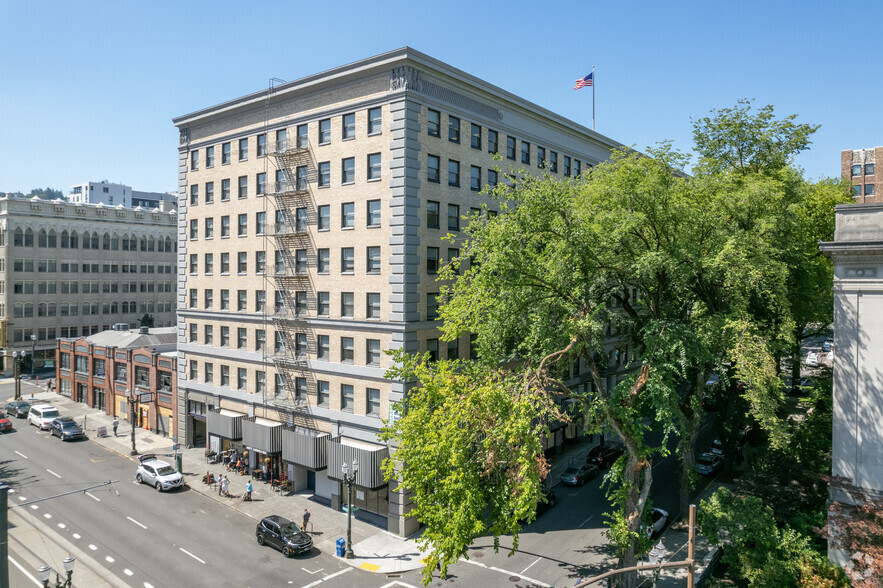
x=29 y=309
x=43 y=239
x=95 y=240
x=41 y=309
x=168 y=244
x=105 y=242
x=151 y=244
x=105 y=307
x=18 y=310
x=18 y=238
x=115 y=242
x=50 y=309
x=29 y=238
x=125 y=307
x=53 y=241
x=86 y=240
x=65 y=239
x=133 y=242
x=114 y=308
x=74 y=308
x=143 y=243
x=75 y=240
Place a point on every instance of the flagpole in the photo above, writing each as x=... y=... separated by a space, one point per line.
x=593 y=97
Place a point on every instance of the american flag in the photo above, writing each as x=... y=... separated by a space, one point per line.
x=583 y=82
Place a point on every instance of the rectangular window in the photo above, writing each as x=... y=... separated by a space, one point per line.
x=347 y=304
x=210 y=157
x=194 y=160
x=225 y=299
x=260 y=262
x=372 y=352
x=433 y=123
x=323 y=347
x=303 y=136
x=453 y=173
x=300 y=302
x=347 y=260
x=260 y=382
x=373 y=260
x=260 y=221
x=193 y=297
x=475 y=136
x=300 y=261
x=225 y=336
x=492 y=178
x=241 y=378
x=209 y=192
x=374 y=120
x=301 y=219
x=209 y=263
x=261 y=184
x=300 y=345
x=262 y=145
x=194 y=229
x=432 y=214
x=225 y=226
x=225 y=153
x=324 y=131
x=241 y=338
x=373 y=213
x=323 y=261
x=225 y=190
x=243 y=149
x=194 y=195
x=348 y=123
x=347 y=350
x=324 y=178
x=281 y=140
x=857 y=190
x=347 y=400
x=432 y=306
x=869 y=169
x=372 y=304
x=324 y=218
x=194 y=264
x=453 y=129
x=454 y=349
x=453 y=217
x=491 y=141
x=209 y=334
x=242 y=225
x=348 y=170
x=432 y=348
x=577 y=168
x=432 y=260
x=193 y=331
x=525 y=152
x=857 y=170
x=243 y=187
x=242 y=300
x=323 y=394
x=323 y=303
x=541 y=157
x=225 y=375
x=553 y=161
x=432 y=168
x=209 y=296
x=260 y=339
x=374 y=166
x=566 y=166
x=510 y=148
x=373 y=399
x=347 y=215
x=475 y=178
x=208 y=375
x=869 y=189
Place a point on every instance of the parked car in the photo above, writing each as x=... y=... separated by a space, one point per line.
x=158 y=473
x=709 y=463
x=812 y=359
x=579 y=476
x=18 y=409
x=551 y=501
x=803 y=387
x=604 y=456
x=5 y=425
x=658 y=519
x=41 y=415
x=717 y=447
x=828 y=346
x=66 y=429
x=283 y=534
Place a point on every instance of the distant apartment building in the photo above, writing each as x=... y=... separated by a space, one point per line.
x=69 y=270
x=858 y=166
x=110 y=194
x=312 y=225
x=126 y=373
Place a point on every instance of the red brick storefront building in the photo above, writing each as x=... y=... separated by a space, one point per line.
x=106 y=369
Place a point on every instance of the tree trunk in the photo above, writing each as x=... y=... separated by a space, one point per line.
x=687 y=449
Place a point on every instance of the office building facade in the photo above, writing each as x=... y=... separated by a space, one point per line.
x=859 y=167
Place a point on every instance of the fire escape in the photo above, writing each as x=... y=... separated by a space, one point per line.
x=294 y=254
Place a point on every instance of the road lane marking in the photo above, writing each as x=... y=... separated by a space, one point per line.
x=22 y=454
x=584 y=522
x=507 y=572
x=109 y=559
x=397 y=583
x=136 y=522
x=92 y=547
x=47 y=515
x=35 y=506
x=61 y=526
x=311 y=573
x=76 y=535
x=148 y=585
x=128 y=572
x=93 y=497
x=97 y=460
x=53 y=473
x=317 y=582
x=22 y=498
x=191 y=555
x=25 y=572
x=528 y=567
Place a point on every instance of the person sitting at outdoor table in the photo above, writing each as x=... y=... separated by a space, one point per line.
x=239 y=464
x=231 y=459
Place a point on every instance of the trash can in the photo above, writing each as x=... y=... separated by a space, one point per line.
x=341 y=547
x=178 y=457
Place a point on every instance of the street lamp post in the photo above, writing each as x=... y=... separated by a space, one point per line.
x=33 y=354
x=131 y=398
x=45 y=571
x=15 y=356
x=349 y=480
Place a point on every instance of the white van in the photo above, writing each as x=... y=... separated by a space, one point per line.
x=41 y=415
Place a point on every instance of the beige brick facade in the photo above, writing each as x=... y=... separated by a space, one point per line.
x=859 y=166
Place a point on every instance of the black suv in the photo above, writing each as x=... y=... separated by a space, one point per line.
x=66 y=429
x=284 y=535
x=604 y=456
x=18 y=409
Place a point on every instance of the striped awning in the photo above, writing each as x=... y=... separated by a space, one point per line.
x=262 y=434
x=305 y=447
x=224 y=423
x=370 y=455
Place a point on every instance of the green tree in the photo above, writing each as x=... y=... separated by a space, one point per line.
x=147 y=320
x=46 y=193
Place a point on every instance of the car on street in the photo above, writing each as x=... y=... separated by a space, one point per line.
x=717 y=447
x=158 y=474
x=828 y=346
x=803 y=387
x=18 y=409
x=579 y=475
x=604 y=456
x=812 y=359
x=5 y=425
x=551 y=501
x=658 y=519
x=41 y=415
x=66 y=429
x=283 y=534
x=709 y=463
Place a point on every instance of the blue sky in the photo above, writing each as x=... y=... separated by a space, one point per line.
x=89 y=88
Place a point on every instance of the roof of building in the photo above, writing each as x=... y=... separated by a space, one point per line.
x=134 y=338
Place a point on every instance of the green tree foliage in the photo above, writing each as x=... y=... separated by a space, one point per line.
x=147 y=320
x=46 y=193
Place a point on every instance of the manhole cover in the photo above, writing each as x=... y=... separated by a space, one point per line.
x=514 y=579
x=478 y=554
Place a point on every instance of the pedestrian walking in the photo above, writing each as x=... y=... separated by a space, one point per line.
x=225 y=485
x=248 y=490
x=306 y=520
x=116 y=423
x=220 y=484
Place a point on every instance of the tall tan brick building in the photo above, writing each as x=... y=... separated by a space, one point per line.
x=858 y=166
x=312 y=217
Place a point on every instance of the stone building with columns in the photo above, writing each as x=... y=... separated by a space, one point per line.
x=311 y=228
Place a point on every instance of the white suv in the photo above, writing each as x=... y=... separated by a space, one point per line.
x=158 y=474
x=41 y=415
